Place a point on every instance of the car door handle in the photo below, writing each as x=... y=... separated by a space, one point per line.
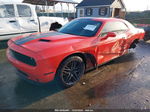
x=32 y=20
x=12 y=21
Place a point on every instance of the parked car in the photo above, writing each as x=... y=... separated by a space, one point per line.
x=20 y=18
x=80 y=45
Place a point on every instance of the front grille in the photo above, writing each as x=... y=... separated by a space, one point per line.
x=22 y=58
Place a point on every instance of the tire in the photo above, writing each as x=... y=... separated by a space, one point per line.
x=146 y=38
x=70 y=71
x=134 y=44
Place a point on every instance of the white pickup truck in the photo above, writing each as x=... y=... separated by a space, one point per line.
x=20 y=18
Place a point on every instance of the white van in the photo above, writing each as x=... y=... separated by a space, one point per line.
x=20 y=18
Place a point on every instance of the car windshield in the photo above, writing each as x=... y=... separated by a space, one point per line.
x=81 y=27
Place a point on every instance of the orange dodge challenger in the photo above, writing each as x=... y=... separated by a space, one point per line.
x=80 y=45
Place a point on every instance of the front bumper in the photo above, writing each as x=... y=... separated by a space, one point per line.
x=42 y=72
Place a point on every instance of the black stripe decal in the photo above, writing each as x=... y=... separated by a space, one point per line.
x=37 y=36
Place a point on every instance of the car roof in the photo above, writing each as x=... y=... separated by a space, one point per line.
x=102 y=19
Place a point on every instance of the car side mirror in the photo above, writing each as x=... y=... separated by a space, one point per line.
x=109 y=34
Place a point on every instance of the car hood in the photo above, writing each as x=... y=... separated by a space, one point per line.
x=41 y=41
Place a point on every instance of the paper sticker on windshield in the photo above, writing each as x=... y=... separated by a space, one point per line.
x=90 y=27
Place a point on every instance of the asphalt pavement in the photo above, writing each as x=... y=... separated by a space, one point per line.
x=124 y=83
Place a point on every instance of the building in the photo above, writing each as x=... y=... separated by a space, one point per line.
x=47 y=3
x=101 y=8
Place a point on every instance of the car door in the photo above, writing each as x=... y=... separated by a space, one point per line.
x=9 y=26
x=111 y=47
x=27 y=18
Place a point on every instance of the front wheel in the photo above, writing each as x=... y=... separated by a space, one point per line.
x=71 y=70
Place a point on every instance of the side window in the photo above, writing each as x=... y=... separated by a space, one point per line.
x=113 y=27
x=89 y=11
x=24 y=11
x=109 y=27
x=7 y=11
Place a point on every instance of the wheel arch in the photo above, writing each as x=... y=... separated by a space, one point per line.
x=89 y=60
x=133 y=44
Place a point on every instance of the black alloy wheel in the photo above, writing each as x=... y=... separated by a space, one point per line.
x=71 y=70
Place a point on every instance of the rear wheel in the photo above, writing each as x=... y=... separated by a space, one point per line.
x=71 y=71
x=134 y=44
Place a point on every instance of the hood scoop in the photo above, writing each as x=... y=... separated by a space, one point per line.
x=44 y=40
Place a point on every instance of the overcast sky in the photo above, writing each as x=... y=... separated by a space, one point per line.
x=132 y=5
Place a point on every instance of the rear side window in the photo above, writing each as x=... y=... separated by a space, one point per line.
x=7 y=11
x=114 y=27
x=129 y=25
x=24 y=11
